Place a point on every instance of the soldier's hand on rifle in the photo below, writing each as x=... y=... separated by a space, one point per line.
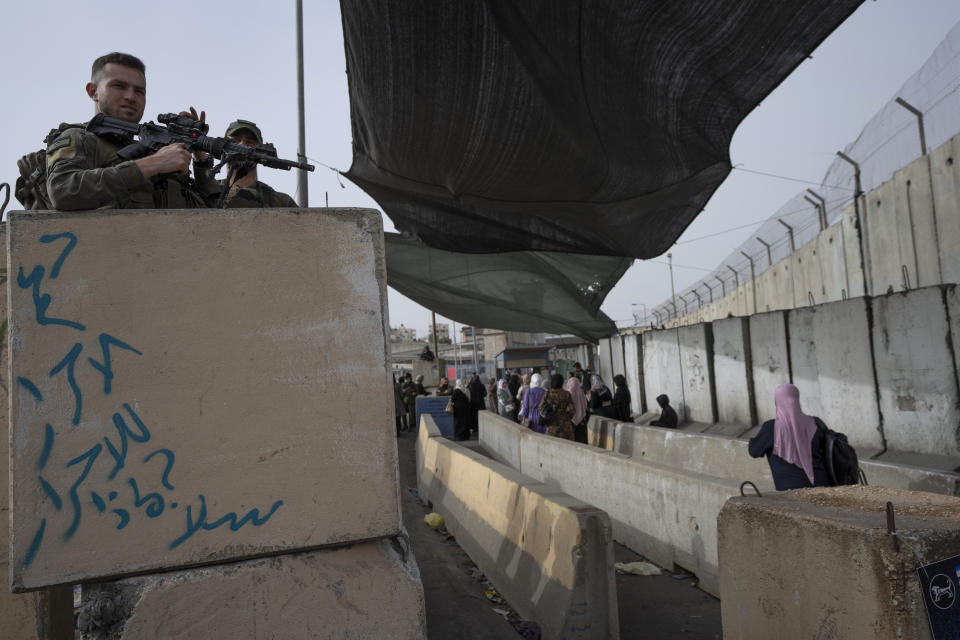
x=199 y=156
x=173 y=158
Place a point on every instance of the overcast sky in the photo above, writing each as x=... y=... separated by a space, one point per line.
x=238 y=60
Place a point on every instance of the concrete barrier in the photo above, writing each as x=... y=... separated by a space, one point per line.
x=549 y=554
x=667 y=514
x=633 y=371
x=770 y=359
x=600 y=432
x=733 y=372
x=832 y=367
x=819 y=563
x=729 y=458
x=661 y=367
x=367 y=590
x=917 y=372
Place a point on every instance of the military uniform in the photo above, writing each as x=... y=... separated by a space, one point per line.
x=259 y=195
x=85 y=172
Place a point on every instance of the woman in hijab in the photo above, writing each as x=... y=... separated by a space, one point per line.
x=504 y=399
x=524 y=385
x=492 y=385
x=579 y=418
x=621 y=399
x=461 y=411
x=793 y=444
x=558 y=425
x=478 y=391
x=531 y=403
x=599 y=400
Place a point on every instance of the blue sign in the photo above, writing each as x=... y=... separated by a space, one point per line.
x=940 y=584
x=436 y=407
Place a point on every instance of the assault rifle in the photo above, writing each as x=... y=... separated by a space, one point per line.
x=193 y=134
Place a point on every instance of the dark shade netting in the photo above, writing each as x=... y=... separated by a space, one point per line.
x=517 y=291
x=598 y=127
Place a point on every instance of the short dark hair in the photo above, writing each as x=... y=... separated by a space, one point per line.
x=556 y=381
x=116 y=57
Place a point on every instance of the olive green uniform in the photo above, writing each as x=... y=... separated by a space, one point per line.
x=260 y=195
x=85 y=172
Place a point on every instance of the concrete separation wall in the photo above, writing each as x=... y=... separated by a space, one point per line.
x=770 y=359
x=916 y=372
x=819 y=563
x=661 y=368
x=733 y=371
x=549 y=554
x=633 y=371
x=832 y=368
x=696 y=362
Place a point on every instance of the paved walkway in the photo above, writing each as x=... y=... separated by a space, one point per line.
x=651 y=607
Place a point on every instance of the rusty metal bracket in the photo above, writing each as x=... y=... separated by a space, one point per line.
x=747 y=482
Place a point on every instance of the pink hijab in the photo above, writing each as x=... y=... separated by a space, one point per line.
x=579 y=400
x=793 y=430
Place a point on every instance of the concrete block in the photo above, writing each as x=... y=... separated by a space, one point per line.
x=431 y=371
x=890 y=238
x=831 y=255
x=367 y=590
x=550 y=555
x=617 y=361
x=851 y=252
x=501 y=437
x=832 y=368
x=633 y=371
x=807 y=279
x=696 y=361
x=600 y=432
x=945 y=166
x=180 y=384
x=914 y=201
x=770 y=360
x=919 y=396
x=661 y=366
x=819 y=563
x=733 y=372
x=668 y=515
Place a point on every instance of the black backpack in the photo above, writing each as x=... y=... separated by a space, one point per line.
x=548 y=409
x=840 y=458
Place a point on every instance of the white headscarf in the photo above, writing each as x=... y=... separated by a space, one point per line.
x=535 y=380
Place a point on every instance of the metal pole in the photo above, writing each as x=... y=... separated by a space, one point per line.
x=736 y=276
x=753 y=278
x=723 y=285
x=858 y=191
x=793 y=246
x=823 y=206
x=769 y=255
x=710 y=289
x=436 y=349
x=476 y=367
x=673 y=292
x=699 y=301
x=816 y=205
x=912 y=109
x=302 y=149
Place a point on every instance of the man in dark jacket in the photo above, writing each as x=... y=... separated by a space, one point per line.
x=668 y=417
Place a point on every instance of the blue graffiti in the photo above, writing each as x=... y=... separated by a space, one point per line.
x=155 y=508
x=120 y=457
x=47 y=447
x=41 y=301
x=165 y=480
x=124 y=517
x=34 y=544
x=32 y=388
x=106 y=367
x=90 y=456
x=51 y=493
x=71 y=243
x=253 y=517
x=70 y=362
x=98 y=501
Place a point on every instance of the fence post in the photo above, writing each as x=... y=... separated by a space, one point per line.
x=857 y=193
x=793 y=244
x=753 y=278
x=769 y=255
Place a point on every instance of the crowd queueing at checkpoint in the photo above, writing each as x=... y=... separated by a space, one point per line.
x=794 y=443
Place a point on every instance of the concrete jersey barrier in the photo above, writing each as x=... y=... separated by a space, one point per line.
x=549 y=554
x=667 y=514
